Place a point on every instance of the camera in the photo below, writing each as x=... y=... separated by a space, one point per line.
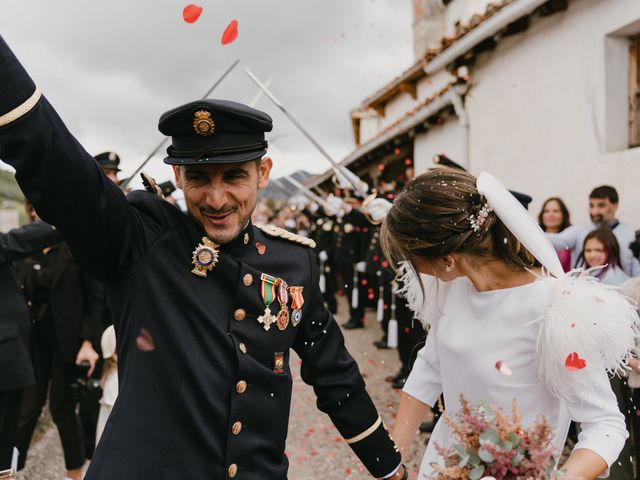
x=84 y=386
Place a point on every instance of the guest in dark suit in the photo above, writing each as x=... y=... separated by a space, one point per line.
x=15 y=326
x=67 y=308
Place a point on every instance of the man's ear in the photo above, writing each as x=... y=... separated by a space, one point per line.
x=178 y=175
x=263 y=172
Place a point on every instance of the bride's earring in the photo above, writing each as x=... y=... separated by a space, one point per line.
x=448 y=268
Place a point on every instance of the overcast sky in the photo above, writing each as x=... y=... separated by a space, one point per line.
x=112 y=68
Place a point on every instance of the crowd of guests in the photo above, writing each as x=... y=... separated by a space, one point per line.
x=353 y=266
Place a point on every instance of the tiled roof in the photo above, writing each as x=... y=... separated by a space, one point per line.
x=416 y=71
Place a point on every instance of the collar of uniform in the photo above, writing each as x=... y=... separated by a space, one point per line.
x=243 y=241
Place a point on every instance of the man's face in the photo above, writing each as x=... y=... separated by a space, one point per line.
x=222 y=197
x=111 y=175
x=602 y=211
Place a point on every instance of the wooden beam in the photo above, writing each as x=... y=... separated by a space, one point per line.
x=410 y=88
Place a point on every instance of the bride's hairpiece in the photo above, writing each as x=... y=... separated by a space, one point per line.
x=477 y=221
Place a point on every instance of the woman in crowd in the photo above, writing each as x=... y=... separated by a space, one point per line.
x=601 y=252
x=486 y=307
x=554 y=218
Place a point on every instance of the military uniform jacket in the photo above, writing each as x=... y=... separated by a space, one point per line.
x=201 y=395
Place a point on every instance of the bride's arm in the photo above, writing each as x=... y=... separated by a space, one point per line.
x=411 y=413
x=585 y=464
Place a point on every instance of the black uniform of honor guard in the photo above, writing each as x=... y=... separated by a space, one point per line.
x=204 y=331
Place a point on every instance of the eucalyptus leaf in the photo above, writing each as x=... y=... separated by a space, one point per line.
x=490 y=435
x=485 y=455
x=515 y=461
x=476 y=473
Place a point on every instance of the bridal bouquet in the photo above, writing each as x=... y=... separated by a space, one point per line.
x=492 y=444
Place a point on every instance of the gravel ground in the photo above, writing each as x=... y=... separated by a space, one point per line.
x=314 y=446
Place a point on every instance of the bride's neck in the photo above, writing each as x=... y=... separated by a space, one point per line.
x=495 y=275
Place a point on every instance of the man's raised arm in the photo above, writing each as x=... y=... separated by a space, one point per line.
x=61 y=180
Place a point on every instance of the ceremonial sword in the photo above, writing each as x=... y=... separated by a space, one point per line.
x=126 y=182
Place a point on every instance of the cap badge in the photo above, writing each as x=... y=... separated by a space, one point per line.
x=202 y=123
x=205 y=257
x=112 y=157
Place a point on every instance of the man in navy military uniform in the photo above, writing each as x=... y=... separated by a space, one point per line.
x=206 y=306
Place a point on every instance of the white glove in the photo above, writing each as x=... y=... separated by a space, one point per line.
x=361 y=267
x=323 y=256
x=335 y=205
x=378 y=209
x=347 y=179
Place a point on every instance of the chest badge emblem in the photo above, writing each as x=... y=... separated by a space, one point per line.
x=205 y=257
x=278 y=362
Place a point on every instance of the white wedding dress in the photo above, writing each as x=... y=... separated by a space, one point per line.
x=477 y=329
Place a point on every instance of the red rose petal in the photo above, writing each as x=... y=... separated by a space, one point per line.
x=573 y=362
x=144 y=342
x=230 y=33
x=191 y=13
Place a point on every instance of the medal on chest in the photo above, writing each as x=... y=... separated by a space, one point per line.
x=297 y=300
x=205 y=257
x=268 y=292
x=283 y=299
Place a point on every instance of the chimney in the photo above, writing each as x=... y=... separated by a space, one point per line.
x=428 y=25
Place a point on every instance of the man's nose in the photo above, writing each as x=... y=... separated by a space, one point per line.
x=217 y=197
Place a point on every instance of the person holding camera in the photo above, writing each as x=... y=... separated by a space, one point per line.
x=67 y=308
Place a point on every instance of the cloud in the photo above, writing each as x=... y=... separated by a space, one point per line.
x=112 y=68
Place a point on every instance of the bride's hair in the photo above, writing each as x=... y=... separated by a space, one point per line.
x=441 y=212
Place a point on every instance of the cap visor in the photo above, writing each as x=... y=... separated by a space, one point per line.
x=218 y=159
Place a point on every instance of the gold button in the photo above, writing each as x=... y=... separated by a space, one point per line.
x=232 y=470
x=240 y=314
x=242 y=347
x=237 y=428
x=247 y=280
x=241 y=386
x=246 y=238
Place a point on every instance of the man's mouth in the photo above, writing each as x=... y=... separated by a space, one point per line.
x=217 y=218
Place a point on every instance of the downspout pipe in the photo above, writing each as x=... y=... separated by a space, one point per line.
x=463 y=119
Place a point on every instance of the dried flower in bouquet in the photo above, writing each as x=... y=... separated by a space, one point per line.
x=489 y=443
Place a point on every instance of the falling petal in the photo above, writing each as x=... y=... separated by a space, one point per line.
x=191 y=13
x=230 y=33
x=144 y=342
x=573 y=362
x=503 y=368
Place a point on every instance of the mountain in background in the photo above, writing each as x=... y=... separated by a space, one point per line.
x=274 y=192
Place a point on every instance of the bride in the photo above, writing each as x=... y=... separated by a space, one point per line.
x=489 y=312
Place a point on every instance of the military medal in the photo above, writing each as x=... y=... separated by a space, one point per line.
x=205 y=257
x=297 y=300
x=278 y=362
x=268 y=292
x=283 y=299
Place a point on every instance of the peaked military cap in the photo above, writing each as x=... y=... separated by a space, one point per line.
x=108 y=161
x=215 y=131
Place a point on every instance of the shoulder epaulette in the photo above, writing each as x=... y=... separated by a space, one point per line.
x=278 y=232
x=150 y=185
